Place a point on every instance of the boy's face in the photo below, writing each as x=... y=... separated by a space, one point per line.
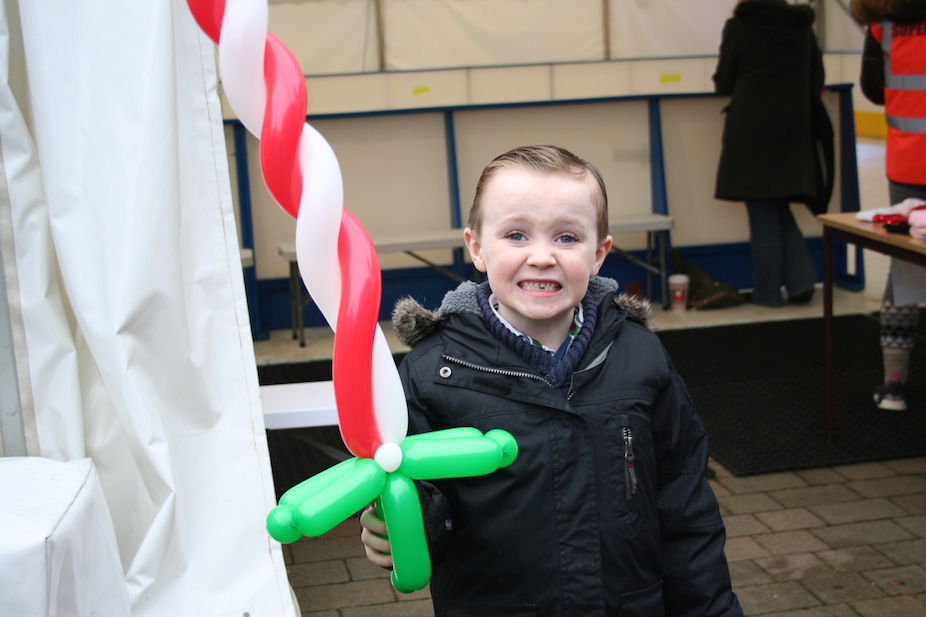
x=538 y=245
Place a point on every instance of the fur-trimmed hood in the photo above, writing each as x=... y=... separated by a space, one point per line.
x=413 y=323
x=903 y=11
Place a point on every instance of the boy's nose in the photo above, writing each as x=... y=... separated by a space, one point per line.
x=541 y=256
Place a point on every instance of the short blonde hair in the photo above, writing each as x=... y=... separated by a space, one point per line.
x=544 y=159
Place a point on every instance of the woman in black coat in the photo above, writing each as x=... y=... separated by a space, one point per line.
x=770 y=64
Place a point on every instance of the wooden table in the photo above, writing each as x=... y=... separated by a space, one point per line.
x=845 y=227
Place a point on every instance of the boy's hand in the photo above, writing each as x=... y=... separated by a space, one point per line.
x=375 y=539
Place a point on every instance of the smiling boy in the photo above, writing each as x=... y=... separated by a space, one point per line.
x=606 y=510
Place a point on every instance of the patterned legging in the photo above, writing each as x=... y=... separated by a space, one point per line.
x=898 y=323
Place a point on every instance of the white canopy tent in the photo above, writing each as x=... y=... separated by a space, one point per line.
x=130 y=334
x=357 y=36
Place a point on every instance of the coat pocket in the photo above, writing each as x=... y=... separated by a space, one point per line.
x=631 y=468
x=643 y=603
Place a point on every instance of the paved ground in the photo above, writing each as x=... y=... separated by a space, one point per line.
x=836 y=542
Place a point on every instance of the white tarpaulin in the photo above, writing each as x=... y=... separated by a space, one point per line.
x=421 y=34
x=123 y=272
x=647 y=29
x=343 y=36
x=55 y=527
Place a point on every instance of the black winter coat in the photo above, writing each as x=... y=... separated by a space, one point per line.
x=769 y=64
x=605 y=511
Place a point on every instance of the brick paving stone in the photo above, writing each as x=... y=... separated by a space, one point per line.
x=327 y=547
x=914 y=524
x=860 y=534
x=786 y=542
x=746 y=573
x=855 y=559
x=814 y=496
x=756 y=484
x=360 y=569
x=905 y=552
x=786 y=520
x=816 y=477
x=887 y=487
x=743 y=525
x=761 y=599
x=908 y=465
x=330 y=613
x=749 y=503
x=738 y=549
x=906 y=580
x=846 y=587
x=317 y=573
x=864 y=471
x=417 y=608
x=902 y=606
x=358 y=593
x=421 y=594
x=857 y=511
x=794 y=567
x=912 y=504
x=719 y=489
x=830 y=610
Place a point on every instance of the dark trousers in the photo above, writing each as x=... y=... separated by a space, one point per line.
x=779 y=253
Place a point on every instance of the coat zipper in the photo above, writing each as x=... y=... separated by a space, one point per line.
x=630 y=474
x=495 y=371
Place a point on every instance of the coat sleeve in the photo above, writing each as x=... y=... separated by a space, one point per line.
x=872 y=76
x=696 y=576
x=435 y=507
x=725 y=74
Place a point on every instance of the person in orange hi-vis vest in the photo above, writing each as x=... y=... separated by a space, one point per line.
x=894 y=75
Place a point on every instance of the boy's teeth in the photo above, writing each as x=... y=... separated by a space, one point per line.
x=535 y=286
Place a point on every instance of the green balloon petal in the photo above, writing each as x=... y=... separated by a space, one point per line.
x=281 y=524
x=324 y=510
x=460 y=457
x=508 y=444
x=402 y=513
x=319 y=482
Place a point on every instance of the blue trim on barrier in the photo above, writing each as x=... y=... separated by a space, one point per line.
x=656 y=160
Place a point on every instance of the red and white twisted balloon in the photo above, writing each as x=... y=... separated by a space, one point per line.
x=265 y=86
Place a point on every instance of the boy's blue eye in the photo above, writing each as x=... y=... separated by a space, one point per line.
x=567 y=239
x=515 y=235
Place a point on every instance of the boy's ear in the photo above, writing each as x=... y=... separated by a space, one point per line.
x=603 y=249
x=475 y=249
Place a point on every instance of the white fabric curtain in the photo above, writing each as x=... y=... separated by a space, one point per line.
x=422 y=34
x=343 y=36
x=125 y=283
x=647 y=29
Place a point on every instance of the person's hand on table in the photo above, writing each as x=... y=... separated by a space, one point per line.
x=917 y=220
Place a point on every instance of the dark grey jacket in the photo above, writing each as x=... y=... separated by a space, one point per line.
x=605 y=511
x=769 y=64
